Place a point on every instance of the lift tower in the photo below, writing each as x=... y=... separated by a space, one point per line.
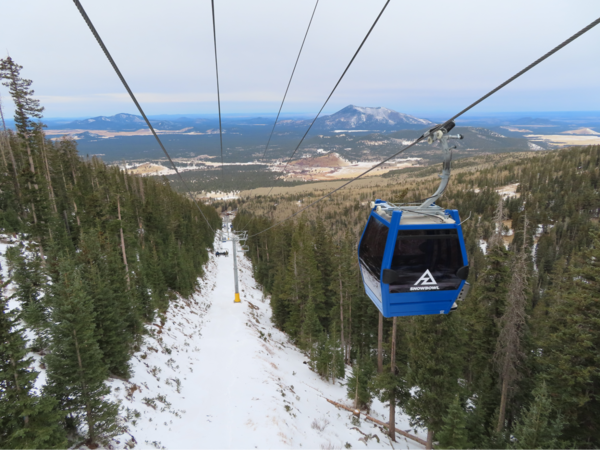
x=237 y=237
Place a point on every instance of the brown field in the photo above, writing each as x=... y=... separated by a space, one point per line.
x=559 y=139
x=309 y=187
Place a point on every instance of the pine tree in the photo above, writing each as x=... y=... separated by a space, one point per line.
x=360 y=387
x=29 y=280
x=26 y=421
x=20 y=90
x=509 y=353
x=537 y=428
x=453 y=434
x=76 y=370
x=110 y=311
x=570 y=360
x=311 y=327
x=435 y=363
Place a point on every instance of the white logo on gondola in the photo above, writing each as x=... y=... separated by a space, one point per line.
x=427 y=283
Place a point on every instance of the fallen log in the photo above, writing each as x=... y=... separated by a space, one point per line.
x=356 y=412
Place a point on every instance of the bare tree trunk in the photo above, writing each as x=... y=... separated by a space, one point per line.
x=123 y=245
x=380 y=345
x=502 y=413
x=3 y=155
x=141 y=228
x=76 y=215
x=509 y=348
x=349 y=325
x=12 y=156
x=125 y=178
x=142 y=190
x=392 y=426
x=48 y=178
x=429 y=445
x=343 y=344
x=31 y=166
x=356 y=390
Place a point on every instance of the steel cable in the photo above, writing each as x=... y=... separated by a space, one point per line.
x=420 y=138
x=118 y=72
x=212 y=4
x=286 y=90
x=334 y=88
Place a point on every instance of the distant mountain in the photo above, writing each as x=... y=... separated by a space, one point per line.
x=118 y=122
x=373 y=119
x=533 y=121
x=129 y=122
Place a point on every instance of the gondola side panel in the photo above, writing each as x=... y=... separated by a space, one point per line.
x=370 y=257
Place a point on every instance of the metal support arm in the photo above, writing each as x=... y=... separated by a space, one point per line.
x=443 y=136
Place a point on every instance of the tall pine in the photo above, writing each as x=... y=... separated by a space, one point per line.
x=26 y=420
x=76 y=369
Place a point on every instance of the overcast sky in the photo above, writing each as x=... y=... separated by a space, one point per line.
x=423 y=58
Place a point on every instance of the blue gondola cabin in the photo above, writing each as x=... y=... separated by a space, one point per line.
x=413 y=263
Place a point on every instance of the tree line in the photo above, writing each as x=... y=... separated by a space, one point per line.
x=99 y=254
x=516 y=366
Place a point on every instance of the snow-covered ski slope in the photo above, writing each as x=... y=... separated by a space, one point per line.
x=213 y=374
x=218 y=375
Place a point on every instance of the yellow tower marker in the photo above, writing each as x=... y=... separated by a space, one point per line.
x=235 y=271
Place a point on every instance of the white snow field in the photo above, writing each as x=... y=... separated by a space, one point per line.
x=213 y=374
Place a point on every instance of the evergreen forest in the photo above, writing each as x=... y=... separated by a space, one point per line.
x=518 y=364
x=99 y=254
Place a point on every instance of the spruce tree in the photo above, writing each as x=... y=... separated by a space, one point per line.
x=76 y=370
x=26 y=420
x=435 y=363
x=20 y=90
x=539 y=426
x=311 y=327
x=110 y=311
x=570 y=361
x=359 y=387
x=453 y=434
x=29 y=280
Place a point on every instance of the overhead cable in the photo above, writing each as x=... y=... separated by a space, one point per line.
x=212 y=4
x=334 y=88
x=286 y=89
x=118 y=72
x=290 y=80
x=420 y=138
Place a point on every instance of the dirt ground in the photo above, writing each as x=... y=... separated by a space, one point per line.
x=147 y=168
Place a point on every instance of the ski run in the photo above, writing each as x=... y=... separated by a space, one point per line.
x=214 y=374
